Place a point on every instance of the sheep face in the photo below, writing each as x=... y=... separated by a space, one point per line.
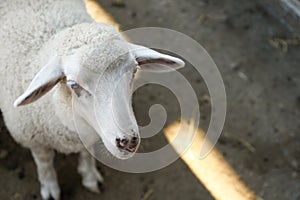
x=96 y=77
x=102 y=99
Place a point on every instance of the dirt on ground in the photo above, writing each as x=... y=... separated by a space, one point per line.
x=259 y=62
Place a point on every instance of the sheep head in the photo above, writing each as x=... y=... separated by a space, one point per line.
x=95 y=66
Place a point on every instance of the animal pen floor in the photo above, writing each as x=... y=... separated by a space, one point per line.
x=261 y=75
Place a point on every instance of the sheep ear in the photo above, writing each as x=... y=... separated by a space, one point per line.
x=150 y=60
x=43 y=82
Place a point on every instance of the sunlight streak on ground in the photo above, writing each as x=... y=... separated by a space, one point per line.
x=99 y=14
x=213 y=171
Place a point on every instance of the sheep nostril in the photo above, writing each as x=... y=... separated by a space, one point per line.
x=124 y=141
x=118 y=141
x=134 y=139
x=134 y=142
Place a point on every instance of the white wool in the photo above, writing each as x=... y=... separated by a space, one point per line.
x=28 y=30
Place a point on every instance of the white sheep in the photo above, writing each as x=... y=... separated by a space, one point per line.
x=54 y=47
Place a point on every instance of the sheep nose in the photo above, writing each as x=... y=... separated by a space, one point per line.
x=129 y=145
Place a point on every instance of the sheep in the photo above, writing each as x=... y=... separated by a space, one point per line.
x=52 y=55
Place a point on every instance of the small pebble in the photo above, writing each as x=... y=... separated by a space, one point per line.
x=21 y=174
x=294 y=175
x=235 y=65
x=294 y=163
x=243 y=76
x=205 y=99
x=133 y=14
x=3 y=154
x=34 y=196
x=118 y=3
x=16 y=195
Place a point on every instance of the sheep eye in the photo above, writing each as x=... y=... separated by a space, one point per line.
x=75 y=87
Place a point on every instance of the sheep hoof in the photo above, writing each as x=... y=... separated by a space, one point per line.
x=92 y=179
x=101 y=186
x=50 y=191
x=94 y=187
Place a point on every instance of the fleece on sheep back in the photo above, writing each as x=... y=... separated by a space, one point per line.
x=26 y=25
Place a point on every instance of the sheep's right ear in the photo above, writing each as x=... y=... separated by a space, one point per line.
x=43 y=82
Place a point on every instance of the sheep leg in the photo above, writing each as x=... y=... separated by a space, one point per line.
x=91 y=178
x=43 y=158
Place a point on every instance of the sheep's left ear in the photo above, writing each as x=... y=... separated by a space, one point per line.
x=150 y=60
x=42 y=83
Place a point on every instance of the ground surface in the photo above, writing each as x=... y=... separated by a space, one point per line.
x=262 y=84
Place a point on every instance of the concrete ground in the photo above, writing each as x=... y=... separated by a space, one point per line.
x=262 y=80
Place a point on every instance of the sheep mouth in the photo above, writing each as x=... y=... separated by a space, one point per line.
x=130 y=150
